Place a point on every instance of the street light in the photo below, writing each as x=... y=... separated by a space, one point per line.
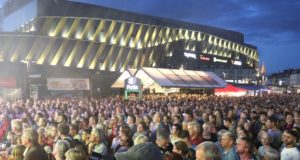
x=28 y=64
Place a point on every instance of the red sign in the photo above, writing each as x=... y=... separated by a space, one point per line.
x=203 y=58
x=8 y=82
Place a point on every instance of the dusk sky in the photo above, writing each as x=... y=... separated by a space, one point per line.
x=272 y=26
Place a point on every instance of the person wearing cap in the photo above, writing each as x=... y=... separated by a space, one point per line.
x=290 y=151
x=141 y=152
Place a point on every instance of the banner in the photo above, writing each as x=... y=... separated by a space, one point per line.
x=8 y=82
x=68 y=84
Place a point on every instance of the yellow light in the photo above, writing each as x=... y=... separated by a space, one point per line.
x=51 y=34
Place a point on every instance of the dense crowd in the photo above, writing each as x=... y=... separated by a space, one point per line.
x=173 y=127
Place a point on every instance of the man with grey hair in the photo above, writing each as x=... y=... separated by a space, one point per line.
x=60 y=148
x=228 y=148
x=163 y=141
x=33 y=150
x=207 y=150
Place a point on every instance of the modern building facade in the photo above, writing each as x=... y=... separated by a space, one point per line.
x=65 y=34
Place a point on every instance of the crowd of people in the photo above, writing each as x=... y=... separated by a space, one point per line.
x=172 y=127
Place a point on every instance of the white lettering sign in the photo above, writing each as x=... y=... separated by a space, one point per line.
x=236 y=62
x=220 y=60
x=190 y=55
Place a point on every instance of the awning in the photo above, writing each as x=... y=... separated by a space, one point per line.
x=174 y=78
x=120 y=82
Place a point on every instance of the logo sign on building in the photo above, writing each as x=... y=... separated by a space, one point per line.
x=133 y=84
x=190 y=55
x=236 y=62
x=204 y=58
x=220 y=60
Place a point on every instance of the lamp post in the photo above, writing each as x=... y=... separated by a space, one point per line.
x=26 y=79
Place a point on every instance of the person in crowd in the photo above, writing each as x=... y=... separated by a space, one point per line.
x=75 y=154
x=60 y=148
x=63 y=133
x=125 y=143
x=274 y=132
x=296 y=114
x=230 y=126
x=140 y=139
x=141 y=151
x=74 y=131
x=245 y=149
x=17 y=152
x=96 y=143
x=175 y=131
x=207 y=151
x=124 y=130
x=181 y=148
x=228 y=148
x=142 y=128
x=289 y=121
x=16 y=127
x=131 y=120
x=33 y=150
x=157 y=124
x=265 y=139
x=290 y=151
x=162 y=141
x=195 y=133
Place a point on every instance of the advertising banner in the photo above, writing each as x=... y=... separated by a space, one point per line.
x=68 y=84
x=8 y=82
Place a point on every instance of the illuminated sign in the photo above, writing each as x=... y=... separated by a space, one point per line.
x=190 y=55
x=203 y=58
x=133 y=83
x=236 y=62
x=220 y=60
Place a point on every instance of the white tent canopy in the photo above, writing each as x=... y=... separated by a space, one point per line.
x=173 y=78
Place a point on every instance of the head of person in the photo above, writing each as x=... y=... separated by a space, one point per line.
x=93 y=120
x=265 y=138
x=75 y=154
x=271 y=154
x=244 y=145
x=207 y=151
x=181 y=148
x=140 y=139
x=124 y=130
x=176 y=129
x=271 y=122
x=16 y=126
x=63 y=129
x=29 y=137
x=228 y=122
x=162 y=138
x=289 y=119
x=289 y=138
x=194 y=128
x=60 y=148
x=142 y=127
x=126 y=141
x=227 y=140
x=18 y=151
x=157 y=118
x=131 y=119
x=97 y=136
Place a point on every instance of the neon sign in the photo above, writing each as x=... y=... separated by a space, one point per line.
x=203 y=58
x=190 y=55
x=220 y=60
